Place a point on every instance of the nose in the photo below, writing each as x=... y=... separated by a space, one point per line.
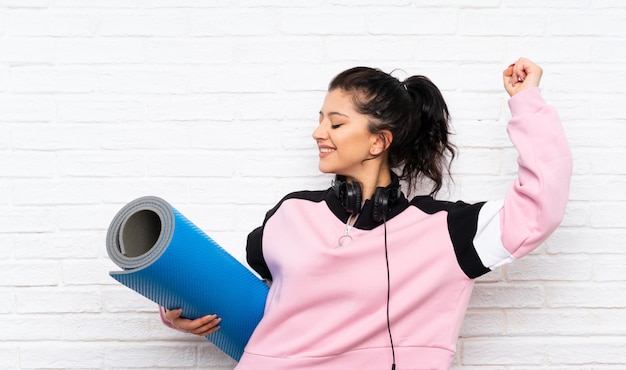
x=319 y=133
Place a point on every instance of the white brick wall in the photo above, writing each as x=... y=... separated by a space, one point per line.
x=210 y=105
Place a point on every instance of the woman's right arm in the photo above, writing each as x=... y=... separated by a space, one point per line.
x=202 y=326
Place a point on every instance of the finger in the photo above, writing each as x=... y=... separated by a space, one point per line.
x=173 y=314
x=193 y=325
x=208 y=328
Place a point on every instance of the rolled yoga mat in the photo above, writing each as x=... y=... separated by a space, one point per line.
x=169 y=260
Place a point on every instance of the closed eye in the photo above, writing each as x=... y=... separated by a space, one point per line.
x=336 y=126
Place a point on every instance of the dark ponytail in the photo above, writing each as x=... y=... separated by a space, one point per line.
x=428 y=150
x=415 y=113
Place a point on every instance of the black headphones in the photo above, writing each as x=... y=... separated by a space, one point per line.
x=351 y=197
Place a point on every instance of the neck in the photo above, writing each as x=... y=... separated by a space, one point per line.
x=369 y=183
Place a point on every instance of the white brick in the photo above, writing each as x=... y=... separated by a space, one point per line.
x=550 y=268
x=474 y=106
x=414 y=22
x=86 y=271
x=466 y=49
x=53 y=137
x=159 y=136
x=143 y=80
x=483 y=323
x=227 y=22
x=609 y=268
x=150 y=355
x=570 y=322
x=264 y=107
x=477 y=188
x=29 y=108
x=58 y=300
x=106 y=50
x=281 y=51
x=49 y=192
x=27 y=50
x=139 y=4
x=46 y=22
x=51 y=80
x=59 y=355
x=608 y=50
x=189 y=51
x=502 y=351
x=30 y=328
x=32 y=273
x=586 y=296
x=511 y=296
x=477 y=161
x=150 y=23
x=553 y=50
x=190 y=164
x=27 y=164
x=280 y=164
x=74 y=218
x=192 y=108
x=116 y=327
x=124 y=190
x=585 y=187
x=9 y=355
x=96 y=108
x=587 y=241
x=358 y=49
x=502 y=23
x=230 y=79
x=27 y=219
x=599 y=217
x=323 y=22
x=93 y=164
x=4 y=192
x=240 y=135
x=607 y=133
x=586 y=351
x=58 y=245
x=371 y=2
x=25 y=3
x=119 y=298
x=601 y=80
x=480 y=77
x=482 y=134
x=7 y=301
x=4 y=76
x=608 y=108
x=606 y=23
x=210 y=355
x=556 y=4
x=6 y=247
x=234 y=191
x=210 y=218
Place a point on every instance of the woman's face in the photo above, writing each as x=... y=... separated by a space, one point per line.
x=342 y=136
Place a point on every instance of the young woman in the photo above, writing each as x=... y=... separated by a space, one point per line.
x=364 y=278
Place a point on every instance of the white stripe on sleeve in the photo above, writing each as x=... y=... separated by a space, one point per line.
x=488 y=239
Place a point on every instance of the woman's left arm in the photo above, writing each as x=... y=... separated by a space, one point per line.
x=535 y=204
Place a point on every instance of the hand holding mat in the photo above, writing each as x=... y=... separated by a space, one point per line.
x=169 y=260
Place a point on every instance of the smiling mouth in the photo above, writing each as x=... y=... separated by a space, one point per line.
x=326 y=150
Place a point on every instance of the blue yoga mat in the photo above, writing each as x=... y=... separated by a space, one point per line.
x=169 y=260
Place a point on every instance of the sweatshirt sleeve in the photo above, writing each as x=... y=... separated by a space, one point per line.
x=535 y=203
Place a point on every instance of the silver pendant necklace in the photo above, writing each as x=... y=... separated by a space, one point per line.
x=346 y=238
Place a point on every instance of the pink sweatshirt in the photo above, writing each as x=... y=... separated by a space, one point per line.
x=326 y=308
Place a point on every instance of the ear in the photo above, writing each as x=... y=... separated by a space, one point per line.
x=382 y=141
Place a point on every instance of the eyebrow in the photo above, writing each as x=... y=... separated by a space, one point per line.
x=335 y=114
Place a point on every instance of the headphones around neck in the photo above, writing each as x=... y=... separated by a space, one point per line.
x=351 y=197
